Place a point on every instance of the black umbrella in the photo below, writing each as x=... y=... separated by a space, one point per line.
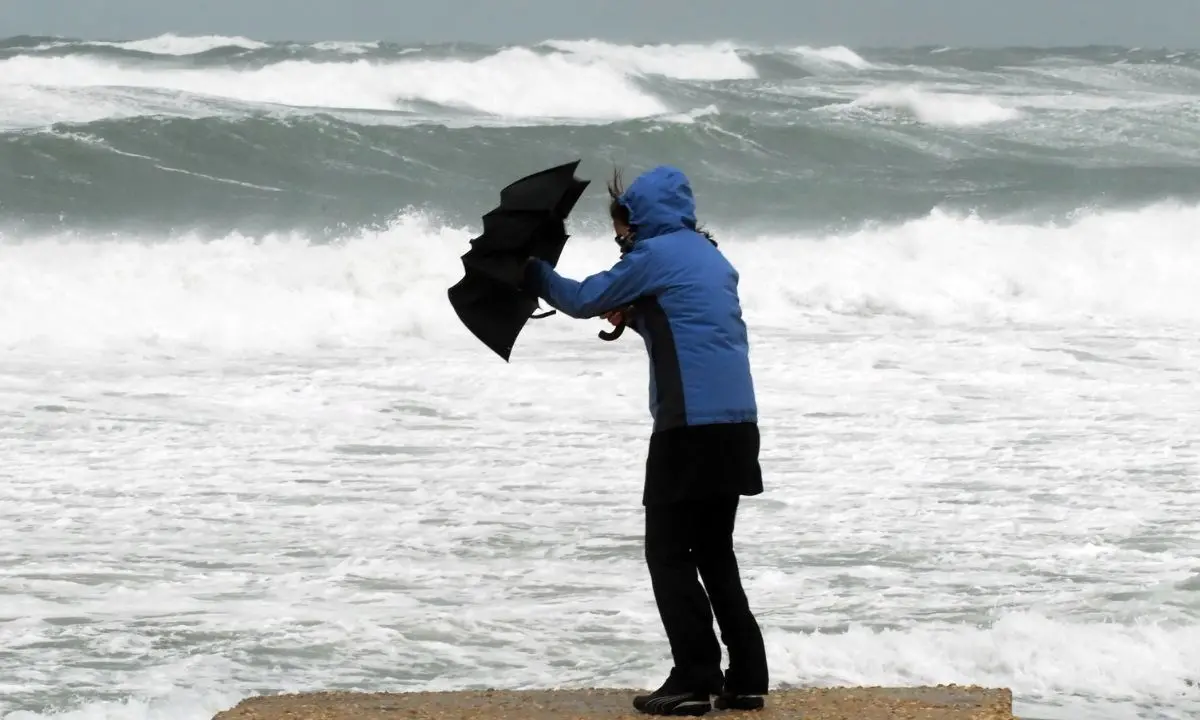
x=528 y=222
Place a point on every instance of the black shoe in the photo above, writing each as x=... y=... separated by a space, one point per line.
x=729 y=701
x=661 y=702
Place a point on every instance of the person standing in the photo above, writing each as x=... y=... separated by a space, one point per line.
x=674 y=287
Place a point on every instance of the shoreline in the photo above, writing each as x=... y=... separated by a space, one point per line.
x=941 y=702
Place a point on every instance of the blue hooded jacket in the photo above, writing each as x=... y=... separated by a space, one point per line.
x=685 y=298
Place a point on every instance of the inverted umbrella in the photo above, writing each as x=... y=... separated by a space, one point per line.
x=529 y=221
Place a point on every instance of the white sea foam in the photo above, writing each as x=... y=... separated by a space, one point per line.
x=566 y=81
x=579 y=80
x=353 y=47
x=939 y=108
x=717 y=61
x=281 y=293
x=259 y=463
x=1104 y=266
x=161 y=703
x=837 y=56
x=1028 y=652
x=512 y=83
x=172 y=44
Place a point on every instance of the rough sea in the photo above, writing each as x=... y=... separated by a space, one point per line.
x=247 y=447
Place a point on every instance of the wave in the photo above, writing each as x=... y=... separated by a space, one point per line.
x=944 y=109
x=713 y=61
x=44 y=80
x=1102 y=267
x=1056 y=667
x=516 y=83
x=172 y=44
x=717 y=61
x=841 y=165
x=833 y=56
x=286 y=293
x=556 y=80
x=220 y=132
x=165 y=44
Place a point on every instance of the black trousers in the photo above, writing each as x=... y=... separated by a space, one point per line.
x=690 y=538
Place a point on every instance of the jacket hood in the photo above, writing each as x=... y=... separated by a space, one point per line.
x=660 y=201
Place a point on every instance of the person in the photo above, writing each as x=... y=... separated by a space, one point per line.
x=674 y=287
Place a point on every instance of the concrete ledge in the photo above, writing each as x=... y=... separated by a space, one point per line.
x=944 y=702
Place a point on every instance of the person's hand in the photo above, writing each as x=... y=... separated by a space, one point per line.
x=618 y=317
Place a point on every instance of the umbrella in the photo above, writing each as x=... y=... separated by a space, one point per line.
x=528 y=222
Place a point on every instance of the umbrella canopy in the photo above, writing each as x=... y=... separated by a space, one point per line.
x=529 y=221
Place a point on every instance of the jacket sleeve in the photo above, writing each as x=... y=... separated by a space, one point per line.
x=632 y=277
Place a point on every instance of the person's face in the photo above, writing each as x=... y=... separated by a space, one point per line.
x=620 y=228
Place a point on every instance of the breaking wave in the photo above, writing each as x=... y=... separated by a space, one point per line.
x=286 y=293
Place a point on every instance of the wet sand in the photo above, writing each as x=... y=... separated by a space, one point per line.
x=944 y=702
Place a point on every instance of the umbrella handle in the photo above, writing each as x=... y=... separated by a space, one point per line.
x=609 y=336
x=539 y=316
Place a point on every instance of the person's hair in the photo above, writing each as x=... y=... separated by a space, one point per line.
x=619 y=213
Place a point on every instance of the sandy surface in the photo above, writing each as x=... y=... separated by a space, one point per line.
x=944 y=702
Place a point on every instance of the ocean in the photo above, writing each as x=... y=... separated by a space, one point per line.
x=247 y=447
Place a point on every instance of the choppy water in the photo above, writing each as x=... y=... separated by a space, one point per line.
x=245 y=445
